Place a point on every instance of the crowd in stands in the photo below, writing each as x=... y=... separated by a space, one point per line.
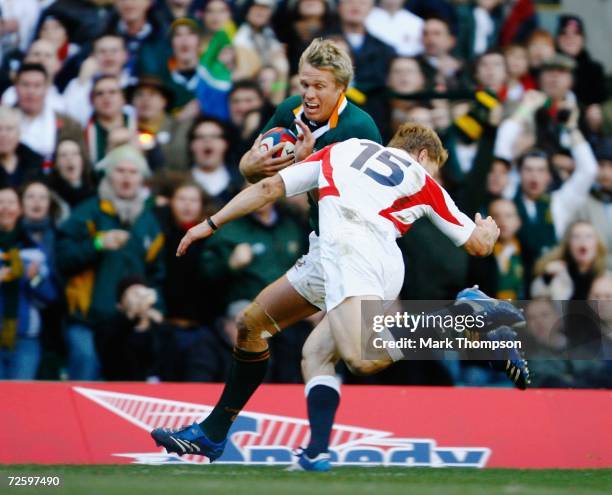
x=122 y=123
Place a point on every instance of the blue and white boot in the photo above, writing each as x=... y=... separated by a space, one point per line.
x=495 y=313
x=321 y=463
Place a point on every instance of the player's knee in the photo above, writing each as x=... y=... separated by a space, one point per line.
x=247 y=325
x=250 y=324
x=361 y=367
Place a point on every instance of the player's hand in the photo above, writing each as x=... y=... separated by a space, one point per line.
x=304 y=145
x=200 y=231
x=488 y=227
x=257 y=163
x=241 y=256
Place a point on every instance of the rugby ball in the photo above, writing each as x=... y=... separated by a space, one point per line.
x=278 y=135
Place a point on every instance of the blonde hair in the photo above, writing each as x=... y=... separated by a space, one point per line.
x=324 y=54
x=562 y=252
x=414 y=138
x=10 y=114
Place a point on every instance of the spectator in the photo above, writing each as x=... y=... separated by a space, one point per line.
x=442 y=70
x=193 y=303
x=545 y=217
x=519 y=79
x=257 y=35
x=547 y=343
x=41 y=52
x=71 y=178
x=171 y=10
x=182 y=73
x=40 y=213
x=212 y=354
x=55 y=29
x=568 y=271
x=405 y=78
x=498 y=179
x=135 y=344
x=108 y=58
x=110 y=113
x=549 y=348
x=551 y=119
x=589 y=80
x=184 y=288
x=38 y=219
x=596 y=209
x=371 y=56
x=256 y=251
x=521 y=20
x=143 y=35
x=18 y=25
x=209 y=145
x=308 y=19
x=248 y=112
x=492 y=75
x=392 y=23
x=480 y=24
x=222 y=62
x=601 y=291
x=41 y=126
x=18 y=162
x=161 y=136
x=25 y=287
x=540 y=47
x=501 y=274
x=106 y=238
x=273 y=85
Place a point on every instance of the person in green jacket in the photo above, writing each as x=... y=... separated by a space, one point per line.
x=254 y=252
x=107 y=237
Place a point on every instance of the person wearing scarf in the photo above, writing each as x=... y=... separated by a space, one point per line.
x=25 y=286
x=106 y=238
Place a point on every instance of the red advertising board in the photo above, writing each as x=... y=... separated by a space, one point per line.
x=108 y=423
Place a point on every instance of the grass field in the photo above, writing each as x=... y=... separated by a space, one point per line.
x=239 y=480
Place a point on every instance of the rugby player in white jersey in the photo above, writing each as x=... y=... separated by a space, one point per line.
x=369 y=195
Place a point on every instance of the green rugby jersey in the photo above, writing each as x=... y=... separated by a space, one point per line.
x=347 y=121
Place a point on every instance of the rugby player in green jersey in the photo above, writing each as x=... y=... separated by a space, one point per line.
x=320 y=115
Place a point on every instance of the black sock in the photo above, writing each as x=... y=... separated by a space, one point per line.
x=246 y=374
x=322 y=403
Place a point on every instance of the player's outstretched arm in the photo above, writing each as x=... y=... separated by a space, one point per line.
x=483 y=237
x=247 y=201
x=256 y=164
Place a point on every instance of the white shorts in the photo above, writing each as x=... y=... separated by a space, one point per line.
x=306 y=275
x=360 y=263
x=348 y=264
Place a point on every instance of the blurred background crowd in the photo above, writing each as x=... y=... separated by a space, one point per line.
x=123 y=121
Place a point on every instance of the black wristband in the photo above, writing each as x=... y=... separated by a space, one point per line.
x=212 y=224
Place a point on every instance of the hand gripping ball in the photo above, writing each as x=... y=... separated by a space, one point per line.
x=279 y=135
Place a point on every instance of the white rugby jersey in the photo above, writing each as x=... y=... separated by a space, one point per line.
x=363 y=182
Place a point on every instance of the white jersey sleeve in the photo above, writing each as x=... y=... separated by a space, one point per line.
x=449 y=219
x=304 y=176
x=300 y=178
